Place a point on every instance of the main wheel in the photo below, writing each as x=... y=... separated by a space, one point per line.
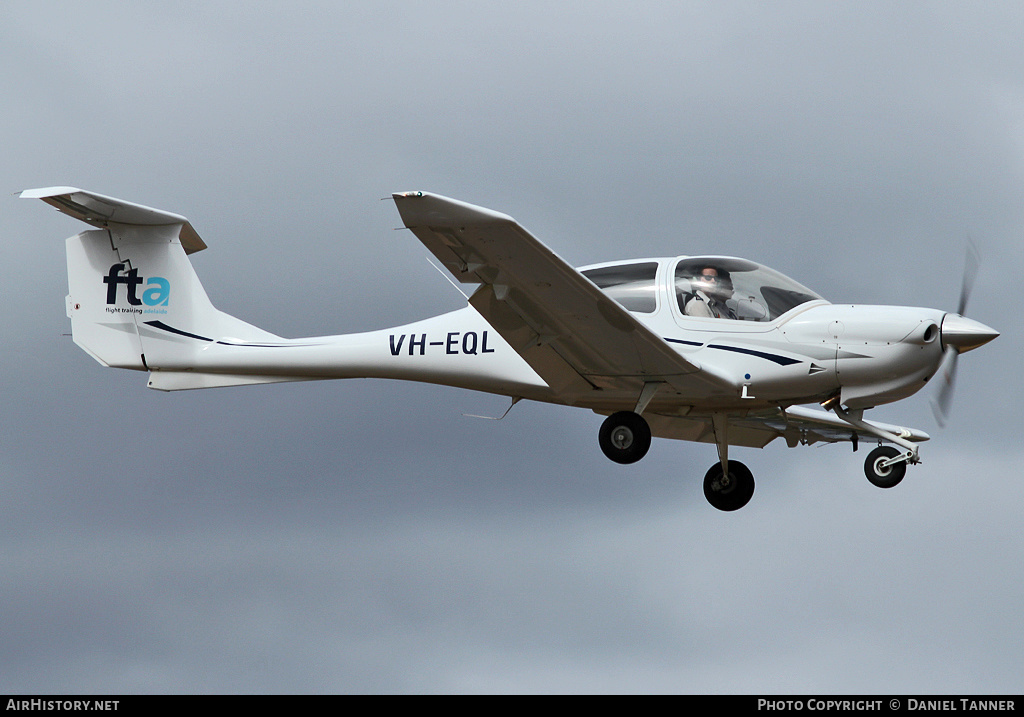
x=625 y=437
x=884 y=476
x=730 y=492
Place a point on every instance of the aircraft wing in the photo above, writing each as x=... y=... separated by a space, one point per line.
x=569 y=331
x=796 y=424
x=817 y=425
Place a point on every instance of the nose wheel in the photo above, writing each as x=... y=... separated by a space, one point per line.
x=729 y=492
x=625 y=437
x=882 y=470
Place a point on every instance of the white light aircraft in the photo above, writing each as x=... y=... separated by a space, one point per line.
x=714 y=349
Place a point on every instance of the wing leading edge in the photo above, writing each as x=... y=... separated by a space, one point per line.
x=570 y=332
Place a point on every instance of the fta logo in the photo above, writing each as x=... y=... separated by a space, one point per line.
x=156 y=293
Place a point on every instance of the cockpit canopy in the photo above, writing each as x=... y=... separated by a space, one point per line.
x=753 y=292
x=750 y=292
x=632 y=285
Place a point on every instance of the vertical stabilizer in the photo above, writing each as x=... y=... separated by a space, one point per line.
x=134 y=299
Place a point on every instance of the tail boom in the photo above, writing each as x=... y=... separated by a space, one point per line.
x=456 y=349
x=135 y=302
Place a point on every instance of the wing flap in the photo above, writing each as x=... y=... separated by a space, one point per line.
x=742 y=432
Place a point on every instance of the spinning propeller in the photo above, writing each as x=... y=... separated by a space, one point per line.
x=959 y=334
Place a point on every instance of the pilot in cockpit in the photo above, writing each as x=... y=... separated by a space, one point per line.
x=711 y=289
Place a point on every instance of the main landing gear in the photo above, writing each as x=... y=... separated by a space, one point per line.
x=729 y=491
x=625 y=438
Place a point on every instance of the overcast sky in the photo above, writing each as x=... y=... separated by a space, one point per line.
x=365 y=536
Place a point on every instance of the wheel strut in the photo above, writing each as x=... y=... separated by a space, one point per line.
x=911 y=455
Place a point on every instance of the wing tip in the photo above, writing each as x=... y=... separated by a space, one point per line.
x=44 y=192
x=426 y=209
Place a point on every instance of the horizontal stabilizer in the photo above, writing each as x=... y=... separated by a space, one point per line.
x=102 y=211
x=187 y=380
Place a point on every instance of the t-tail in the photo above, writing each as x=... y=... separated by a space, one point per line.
x=135 y=302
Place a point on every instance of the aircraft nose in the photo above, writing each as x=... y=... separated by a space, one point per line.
x=964 y=334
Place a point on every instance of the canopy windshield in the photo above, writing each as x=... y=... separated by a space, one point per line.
x=748 y=291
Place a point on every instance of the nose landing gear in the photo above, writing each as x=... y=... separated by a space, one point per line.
x=886 y=465
x=881 y=468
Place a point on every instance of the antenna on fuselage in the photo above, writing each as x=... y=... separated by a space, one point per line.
x=515 y=400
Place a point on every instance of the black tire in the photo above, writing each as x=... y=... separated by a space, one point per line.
x=625 y=437
x=732 y=494
x=884 y=477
